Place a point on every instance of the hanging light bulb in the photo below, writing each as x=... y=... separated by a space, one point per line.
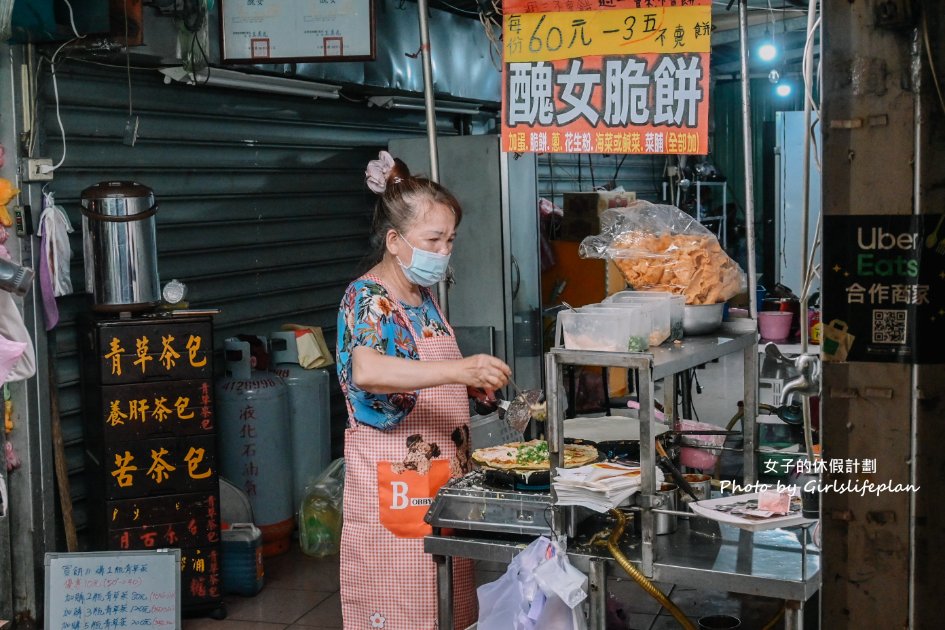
x=767 y=51
x=774 y=76
x=783 y=89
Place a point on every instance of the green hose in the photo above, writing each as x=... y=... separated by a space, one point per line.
x=611 y=543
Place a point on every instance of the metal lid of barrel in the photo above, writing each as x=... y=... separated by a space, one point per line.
x=120 y=246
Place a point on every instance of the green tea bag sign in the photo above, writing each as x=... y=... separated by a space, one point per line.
x=883 y=288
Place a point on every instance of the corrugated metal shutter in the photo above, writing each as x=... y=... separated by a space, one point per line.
x=263 y=210
x=561 y=173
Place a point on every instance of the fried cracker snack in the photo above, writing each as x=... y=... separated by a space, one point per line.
x=661 y=248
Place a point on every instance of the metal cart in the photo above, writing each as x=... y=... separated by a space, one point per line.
x=773 y=563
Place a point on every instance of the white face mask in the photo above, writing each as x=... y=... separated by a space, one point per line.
x=425 y=268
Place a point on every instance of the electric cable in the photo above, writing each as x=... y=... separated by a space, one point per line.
x=456 y=8
x=128 y=61
x=928 y=52
x=62 y=129
x=809 y=90
x=619 y=165
x=72 y=20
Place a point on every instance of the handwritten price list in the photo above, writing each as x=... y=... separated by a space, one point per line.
x=105 y=590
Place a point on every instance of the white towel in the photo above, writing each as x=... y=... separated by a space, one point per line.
x=55 y=226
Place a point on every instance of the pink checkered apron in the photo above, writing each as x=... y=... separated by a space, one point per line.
x=387 y=581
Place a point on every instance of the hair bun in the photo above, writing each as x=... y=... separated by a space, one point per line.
x=399 y=173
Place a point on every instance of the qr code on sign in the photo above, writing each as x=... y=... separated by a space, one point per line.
x=889 y=326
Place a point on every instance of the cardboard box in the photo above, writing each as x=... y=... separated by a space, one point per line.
x=582 y=212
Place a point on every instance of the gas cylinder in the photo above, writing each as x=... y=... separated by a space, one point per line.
x=253 y=428
x=309 y=413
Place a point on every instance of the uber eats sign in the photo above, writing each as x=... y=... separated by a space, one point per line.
x=883 y=288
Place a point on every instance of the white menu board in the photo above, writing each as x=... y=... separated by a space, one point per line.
x=112 y=589
x=264 y=31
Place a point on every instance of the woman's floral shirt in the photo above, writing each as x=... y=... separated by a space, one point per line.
x=369 y=318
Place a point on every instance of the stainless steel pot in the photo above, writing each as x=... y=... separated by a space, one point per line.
x=120 y=246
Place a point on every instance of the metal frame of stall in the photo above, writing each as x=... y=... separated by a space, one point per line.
x=767 y=563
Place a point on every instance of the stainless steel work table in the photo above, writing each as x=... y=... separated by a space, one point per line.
x=769 y=563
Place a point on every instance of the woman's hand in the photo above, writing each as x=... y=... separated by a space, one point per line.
x=485 y=372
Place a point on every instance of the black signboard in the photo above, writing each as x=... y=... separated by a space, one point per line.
x=884 y=288
x=135 y=352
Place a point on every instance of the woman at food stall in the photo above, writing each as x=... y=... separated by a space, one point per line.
x=406 y=386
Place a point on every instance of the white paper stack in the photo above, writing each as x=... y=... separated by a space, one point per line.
x=599 y=487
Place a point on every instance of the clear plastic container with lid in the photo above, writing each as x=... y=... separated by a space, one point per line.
x=606 y=329
x=673 y=310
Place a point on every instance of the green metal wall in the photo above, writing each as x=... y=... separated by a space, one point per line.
x=262 y=207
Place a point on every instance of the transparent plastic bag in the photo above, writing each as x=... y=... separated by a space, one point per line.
x=661 y=248
x=320 y=515
x=540 y=590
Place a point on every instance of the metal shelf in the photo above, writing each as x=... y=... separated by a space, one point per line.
x=721 y=218
x=669 y=359
x=770 y=563
x=652 y=366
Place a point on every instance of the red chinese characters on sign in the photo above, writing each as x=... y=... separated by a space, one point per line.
x=206 y=412
x=619 y=76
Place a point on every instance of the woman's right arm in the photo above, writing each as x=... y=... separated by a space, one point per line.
x=379 y=373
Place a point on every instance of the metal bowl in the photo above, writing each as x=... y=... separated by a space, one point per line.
x=701 y=319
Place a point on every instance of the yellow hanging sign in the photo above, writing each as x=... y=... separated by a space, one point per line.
x=571 y=34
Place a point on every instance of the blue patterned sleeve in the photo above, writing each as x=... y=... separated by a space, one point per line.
x=368 y=318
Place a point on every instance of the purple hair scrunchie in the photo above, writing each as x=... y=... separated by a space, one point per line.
x=377 y=172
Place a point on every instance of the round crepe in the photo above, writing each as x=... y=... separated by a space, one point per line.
x=505 y=456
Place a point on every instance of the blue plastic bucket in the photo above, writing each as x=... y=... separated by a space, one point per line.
x=242 y=559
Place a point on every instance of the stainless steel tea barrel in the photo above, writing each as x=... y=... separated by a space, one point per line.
x=120 y=246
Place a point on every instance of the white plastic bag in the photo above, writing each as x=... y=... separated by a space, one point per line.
x=539 y=591
x=13 y=329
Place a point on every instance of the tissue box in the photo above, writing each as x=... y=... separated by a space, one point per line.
x=582 y=212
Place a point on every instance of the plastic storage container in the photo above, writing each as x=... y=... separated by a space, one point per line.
x=661 y=305
x=658 y=331
x=607 y=330
x=242 y=559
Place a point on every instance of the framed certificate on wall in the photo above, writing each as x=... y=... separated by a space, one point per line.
x=276 y=31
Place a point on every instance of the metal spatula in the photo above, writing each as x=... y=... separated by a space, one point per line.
x=518 y=411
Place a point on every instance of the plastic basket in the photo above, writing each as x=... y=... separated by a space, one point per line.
x=491 y=430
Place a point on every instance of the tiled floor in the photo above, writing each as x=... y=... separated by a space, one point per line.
x=299 y=592
x=302 y=592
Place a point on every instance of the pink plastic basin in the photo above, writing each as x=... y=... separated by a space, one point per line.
x=774 y=325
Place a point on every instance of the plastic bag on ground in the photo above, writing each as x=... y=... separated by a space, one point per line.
x=661 y=248
x=320 y=515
